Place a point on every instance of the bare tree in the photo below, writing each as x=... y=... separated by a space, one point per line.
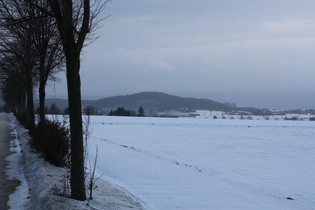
x=75 y=20
x=18 y=17
x=12 y=85
x=92 y=179
x=16 y=42
x=50 y=55
x=89 y=110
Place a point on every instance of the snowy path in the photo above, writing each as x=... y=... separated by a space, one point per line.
x=12 y=179
x=7 y=185
x=202 y=164
x=41 y=182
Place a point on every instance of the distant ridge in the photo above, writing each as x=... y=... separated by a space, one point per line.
x=152 y=102
x=161 y=101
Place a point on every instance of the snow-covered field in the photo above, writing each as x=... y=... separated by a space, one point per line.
x=194 y=163
x=180 y=163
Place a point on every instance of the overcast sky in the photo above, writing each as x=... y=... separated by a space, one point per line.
x=252 y=52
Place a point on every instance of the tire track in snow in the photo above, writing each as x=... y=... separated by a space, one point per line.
x=158 y=156
x=1 y=116
x=213 y=174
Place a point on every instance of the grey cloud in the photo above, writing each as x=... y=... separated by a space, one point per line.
x=203 y=47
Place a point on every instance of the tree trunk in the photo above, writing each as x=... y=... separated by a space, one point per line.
x=75 y=115
x=73 y=38
x=30 y=119
x=42 y=82
x=42 y=96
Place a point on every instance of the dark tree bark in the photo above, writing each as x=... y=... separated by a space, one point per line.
x=73 y=41
x=30 y=115
x=74 y=20
x=77 y=150
x=12 y=86
x=29 y=64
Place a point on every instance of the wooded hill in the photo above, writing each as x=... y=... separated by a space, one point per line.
x=154 y=102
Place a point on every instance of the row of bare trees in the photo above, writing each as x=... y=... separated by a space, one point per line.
x=37 y=39
x=31 y=53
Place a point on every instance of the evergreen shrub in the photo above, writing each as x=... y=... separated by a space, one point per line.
x=52 y=139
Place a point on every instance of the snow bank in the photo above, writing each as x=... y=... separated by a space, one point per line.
x=45 y=182
x=19 y=199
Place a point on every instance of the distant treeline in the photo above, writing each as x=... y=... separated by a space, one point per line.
x=91 y=110
x=54 y=109
x=120 y=111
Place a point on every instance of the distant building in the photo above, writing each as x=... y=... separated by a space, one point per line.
x=173 y=113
